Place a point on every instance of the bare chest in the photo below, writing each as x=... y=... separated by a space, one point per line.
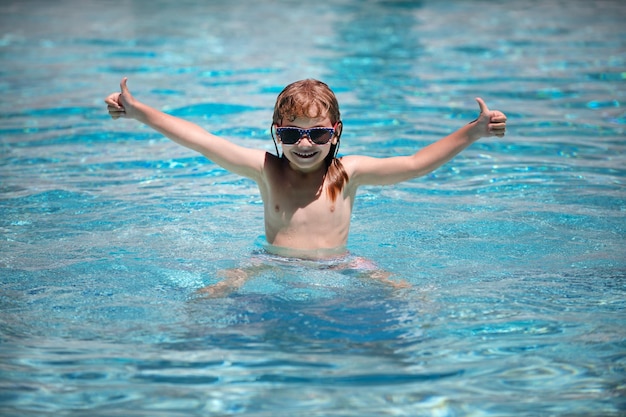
x=303 y=206
x=303 y=217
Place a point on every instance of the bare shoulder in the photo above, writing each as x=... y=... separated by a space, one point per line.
x=272 y=160
x=273 y=167
x=368 y=170
x=351 y=163
x=356 y=165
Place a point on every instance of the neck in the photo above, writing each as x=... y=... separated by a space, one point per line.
x=318 y=172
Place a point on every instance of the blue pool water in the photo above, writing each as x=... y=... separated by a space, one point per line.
x=514 y=250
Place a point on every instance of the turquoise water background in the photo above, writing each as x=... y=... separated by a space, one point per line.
x=515 y=249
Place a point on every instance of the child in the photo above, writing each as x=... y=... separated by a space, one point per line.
x=307 y=192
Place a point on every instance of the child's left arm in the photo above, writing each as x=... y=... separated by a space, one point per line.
x=365 y=170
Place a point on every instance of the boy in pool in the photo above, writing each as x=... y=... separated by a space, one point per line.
x=307 y=192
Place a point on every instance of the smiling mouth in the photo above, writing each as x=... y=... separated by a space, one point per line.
x=305 y=155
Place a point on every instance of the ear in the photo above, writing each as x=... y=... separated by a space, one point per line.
x=272 y=129
x=274 y=135
x=338 y=131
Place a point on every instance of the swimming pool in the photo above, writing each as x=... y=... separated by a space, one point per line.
x=515 y=250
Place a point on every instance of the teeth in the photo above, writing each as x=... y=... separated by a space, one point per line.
x=305 y=155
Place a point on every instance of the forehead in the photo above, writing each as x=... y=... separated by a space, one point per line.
x=308 y=122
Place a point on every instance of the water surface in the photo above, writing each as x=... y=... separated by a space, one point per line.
x=515 y=249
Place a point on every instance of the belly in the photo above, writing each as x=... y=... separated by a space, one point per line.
x=307 y=229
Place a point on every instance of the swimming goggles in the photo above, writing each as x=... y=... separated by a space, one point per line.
x=317 y=135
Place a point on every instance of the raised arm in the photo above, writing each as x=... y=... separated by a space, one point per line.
x=365 y=170
x=237 y=159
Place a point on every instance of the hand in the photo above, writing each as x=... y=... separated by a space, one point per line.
x=118 y=104
x=490 y=122
x=221 y=289
x=235 y=278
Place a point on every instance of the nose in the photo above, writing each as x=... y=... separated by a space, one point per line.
x=308 y=139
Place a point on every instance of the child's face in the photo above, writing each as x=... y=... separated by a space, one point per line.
x=305 y=155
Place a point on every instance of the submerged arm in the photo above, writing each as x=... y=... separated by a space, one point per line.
x=383 y=171
x=238 y=159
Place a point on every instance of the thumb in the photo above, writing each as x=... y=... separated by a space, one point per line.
x=483 y=106
x=123 y=86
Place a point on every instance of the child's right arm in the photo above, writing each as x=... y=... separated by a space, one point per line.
x=232 y=157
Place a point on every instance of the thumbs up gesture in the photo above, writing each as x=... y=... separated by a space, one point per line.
x=490 y=122
x=120 y=104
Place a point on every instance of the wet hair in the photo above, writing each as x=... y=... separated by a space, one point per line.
x=312 y=98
